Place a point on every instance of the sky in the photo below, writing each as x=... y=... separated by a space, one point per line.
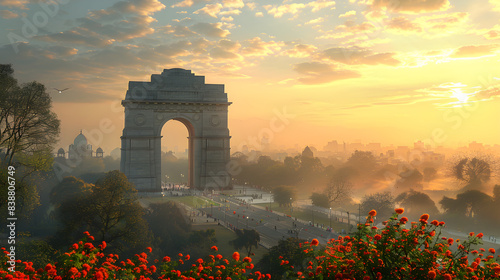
x=297 y=72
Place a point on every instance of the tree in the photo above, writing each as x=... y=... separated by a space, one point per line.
x=289 y=249
x=27 y=123
x=472 y=171
x=319 y=199
x=382 y=202
x=69 y=188
x=470 y=204
x=338 y=189
x=170 y=226
x=411 y=178
x=363 y=161
x=110 y=212
x=284 y=195
x=246 y=238
x=430 y=174
x=415 y=203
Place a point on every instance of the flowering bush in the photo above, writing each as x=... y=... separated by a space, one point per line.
x=397 y=251
x=393 y=252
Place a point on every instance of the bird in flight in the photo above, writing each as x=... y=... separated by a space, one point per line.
x=61 y=90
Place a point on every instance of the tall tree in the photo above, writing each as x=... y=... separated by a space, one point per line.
x=473 y=171
x=27 y=123
x=290 y=249
x=339 y=189
x=110 y=212
x=246 y=238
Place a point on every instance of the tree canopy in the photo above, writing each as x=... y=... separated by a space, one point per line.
x=27 y=123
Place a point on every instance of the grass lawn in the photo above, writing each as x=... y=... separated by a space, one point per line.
x=223 y=236
x=307 y=215
x=191 y=201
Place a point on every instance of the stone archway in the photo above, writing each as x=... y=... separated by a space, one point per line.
x=176 y=94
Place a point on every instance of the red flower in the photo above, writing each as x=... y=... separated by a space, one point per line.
x=73 y=270
x=372 y=213
x=74 y=247
x=314 y=242
x=147 y=248
x=403 y=220
x=199 y=260
x=431 y=274
x=479 y=235
x=400 y=211
x=247 y=259
x=166 y=259
x=236 y=256
x=450 y=241
x=491 y=250
x=187 y=257
x=424 y=217
x=447 y=277
x=215 y=248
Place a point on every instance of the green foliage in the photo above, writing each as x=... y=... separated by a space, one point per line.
x=284 y=195
x=37 y=251
x=247 y=239
x=169 y=225
x=111 y=210
x=27 y=123
x=320 y=200
x=69 y=188
x=290 y=250
x=26 y=195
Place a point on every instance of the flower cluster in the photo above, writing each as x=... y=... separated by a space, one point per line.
x=85 y=261
x=398 y=251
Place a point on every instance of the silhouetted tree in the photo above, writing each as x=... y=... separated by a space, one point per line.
x=320 y=200
x=411 y=178
x=284 y=195
x=416 y=203
x=363 y=161
x=430 y=174
x=247 y=239
x=169 y=224
x=383 y=203
x=289 y=249
x=473 y=171
x=338 y=189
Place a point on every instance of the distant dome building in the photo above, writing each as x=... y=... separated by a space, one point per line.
x=80 y=149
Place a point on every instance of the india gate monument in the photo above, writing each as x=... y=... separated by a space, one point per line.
x=176 y=94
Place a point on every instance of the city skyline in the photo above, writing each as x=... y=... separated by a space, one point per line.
x=298 y=72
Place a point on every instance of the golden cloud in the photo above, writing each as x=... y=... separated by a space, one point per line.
x=411 y=6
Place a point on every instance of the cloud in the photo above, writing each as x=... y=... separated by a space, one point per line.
x=402 y=23
x=348 y=14
x=320 y=4
x=210 y=29
x=351 y=26
x=320 y=73
x=357 y=56
x=124 y=20
x=230 y=12
x=316 y=20
x=233 y=3
x=210 y=9
x=77 y=37
x=475 y=51
x=490 y=34
x=279 y=11
x=259 y=14
x=488 y=93
x=62 y=51
x=257 y=47
x=177 y=31
x=6 y=14
x=187 y=3
x=300 y=50
x=434 y=25
x=226 y=49
x=411 y=6
x=251 y=5
x=20 y=4
x=227 y=19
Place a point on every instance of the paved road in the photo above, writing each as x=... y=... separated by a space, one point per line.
x=271 y=226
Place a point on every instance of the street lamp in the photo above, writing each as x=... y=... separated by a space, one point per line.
x=270 y=194
x=348 y=223
x=330 y=215
x=291 y=204
x=247 y=222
